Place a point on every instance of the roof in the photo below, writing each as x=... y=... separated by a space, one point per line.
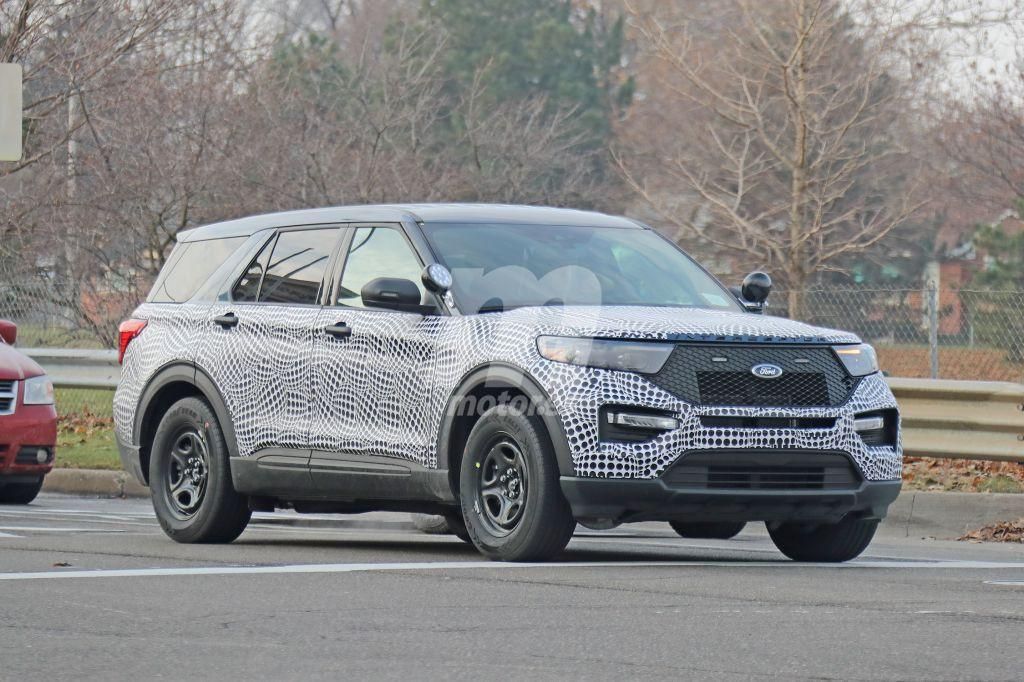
x=422 y=213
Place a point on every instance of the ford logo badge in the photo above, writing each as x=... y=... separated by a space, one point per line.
x=766 y=371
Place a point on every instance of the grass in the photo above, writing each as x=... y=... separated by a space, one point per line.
x=87 y=446
x=1001 y=484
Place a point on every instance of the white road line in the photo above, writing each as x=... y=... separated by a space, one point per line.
x=490 y=565
x=1006 y=583
x=51 y=529
x=9 y=535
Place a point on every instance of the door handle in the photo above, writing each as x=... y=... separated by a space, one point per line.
x=339 y=330
x=226 y=321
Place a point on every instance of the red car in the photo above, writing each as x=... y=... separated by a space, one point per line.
x=28 y=422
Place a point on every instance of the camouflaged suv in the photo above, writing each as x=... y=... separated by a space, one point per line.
x=514 y=369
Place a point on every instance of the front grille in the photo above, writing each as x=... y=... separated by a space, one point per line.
x=8 y=395
x=812 y=376
x=764 y=470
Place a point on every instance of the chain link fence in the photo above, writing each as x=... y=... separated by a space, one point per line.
x=923 y=332
x=927 y=332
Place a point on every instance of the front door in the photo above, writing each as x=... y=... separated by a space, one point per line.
x=373 y=369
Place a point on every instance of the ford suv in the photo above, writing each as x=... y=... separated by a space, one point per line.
x=514 y=369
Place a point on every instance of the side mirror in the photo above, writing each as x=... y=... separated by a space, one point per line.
x=8 y=332
x=392 y=293
x=754 y=291
x=437 y=279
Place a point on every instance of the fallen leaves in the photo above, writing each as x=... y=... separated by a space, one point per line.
x=962 y=475
x=1003 y=531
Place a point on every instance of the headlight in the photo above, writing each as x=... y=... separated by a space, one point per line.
x=859 y=360
x=38 y=391
x=626 y=356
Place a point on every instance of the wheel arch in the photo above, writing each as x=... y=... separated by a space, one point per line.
x=492 y=379
x=168 y=385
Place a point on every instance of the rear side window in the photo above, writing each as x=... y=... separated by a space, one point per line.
x=247 y=288
x=294 y=271
x=188 y=268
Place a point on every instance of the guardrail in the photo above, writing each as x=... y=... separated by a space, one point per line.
x=72 y=368
x=941 y=418
x=961 y=419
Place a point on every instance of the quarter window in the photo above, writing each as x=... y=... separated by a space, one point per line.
x=189 y=266
x=377 y=252
x=247 y=288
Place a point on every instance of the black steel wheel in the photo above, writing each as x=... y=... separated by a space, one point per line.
x=190 y=477
x=511 y=500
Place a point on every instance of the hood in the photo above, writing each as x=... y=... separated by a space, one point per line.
x=17 y=366
x=674 y=324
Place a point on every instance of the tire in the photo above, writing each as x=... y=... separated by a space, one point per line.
x=828 y=542
x=450 y=523
x=20 y=493
x=431 y=524
x=720 y=530
x=512 y=504
x=190 y=477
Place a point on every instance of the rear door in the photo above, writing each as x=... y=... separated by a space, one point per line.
x=263 y=343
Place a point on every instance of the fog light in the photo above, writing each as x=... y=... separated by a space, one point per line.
x=643 y=421
x=868 y=424
x=42 y=455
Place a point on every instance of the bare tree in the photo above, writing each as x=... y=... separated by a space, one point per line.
x=787 y=143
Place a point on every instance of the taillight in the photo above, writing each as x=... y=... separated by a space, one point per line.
x=128 y=330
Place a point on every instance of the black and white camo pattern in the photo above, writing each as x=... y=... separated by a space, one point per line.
x=384 y=390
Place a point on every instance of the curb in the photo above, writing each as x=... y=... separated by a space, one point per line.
x=947 y=515
x=939 y=515
x=93 y=483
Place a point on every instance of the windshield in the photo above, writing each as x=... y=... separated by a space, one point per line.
x=499 y=267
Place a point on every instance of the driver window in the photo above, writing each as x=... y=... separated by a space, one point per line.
x=377 y=252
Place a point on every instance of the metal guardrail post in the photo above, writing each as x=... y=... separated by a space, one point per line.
x=932 y=294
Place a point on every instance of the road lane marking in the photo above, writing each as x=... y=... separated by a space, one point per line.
x=1006 y=583
x=9 y=535
x=491 y=565
x=51 y=529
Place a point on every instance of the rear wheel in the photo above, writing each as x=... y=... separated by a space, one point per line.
x=827 y=542
x=190 y=477
x=511 y=500
x=721 y=530
x=20 y=493
x=450 y=523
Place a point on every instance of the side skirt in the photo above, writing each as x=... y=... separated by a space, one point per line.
x=326 y=482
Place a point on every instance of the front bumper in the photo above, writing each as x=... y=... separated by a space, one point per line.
x=627 y=500
x=31 y=427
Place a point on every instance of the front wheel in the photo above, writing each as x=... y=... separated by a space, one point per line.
x=827 y=542
x=718 y=530
x=190 y=477
x=20 y=493
x=511 y=500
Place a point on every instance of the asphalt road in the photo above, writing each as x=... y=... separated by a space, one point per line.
x=340 y=599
